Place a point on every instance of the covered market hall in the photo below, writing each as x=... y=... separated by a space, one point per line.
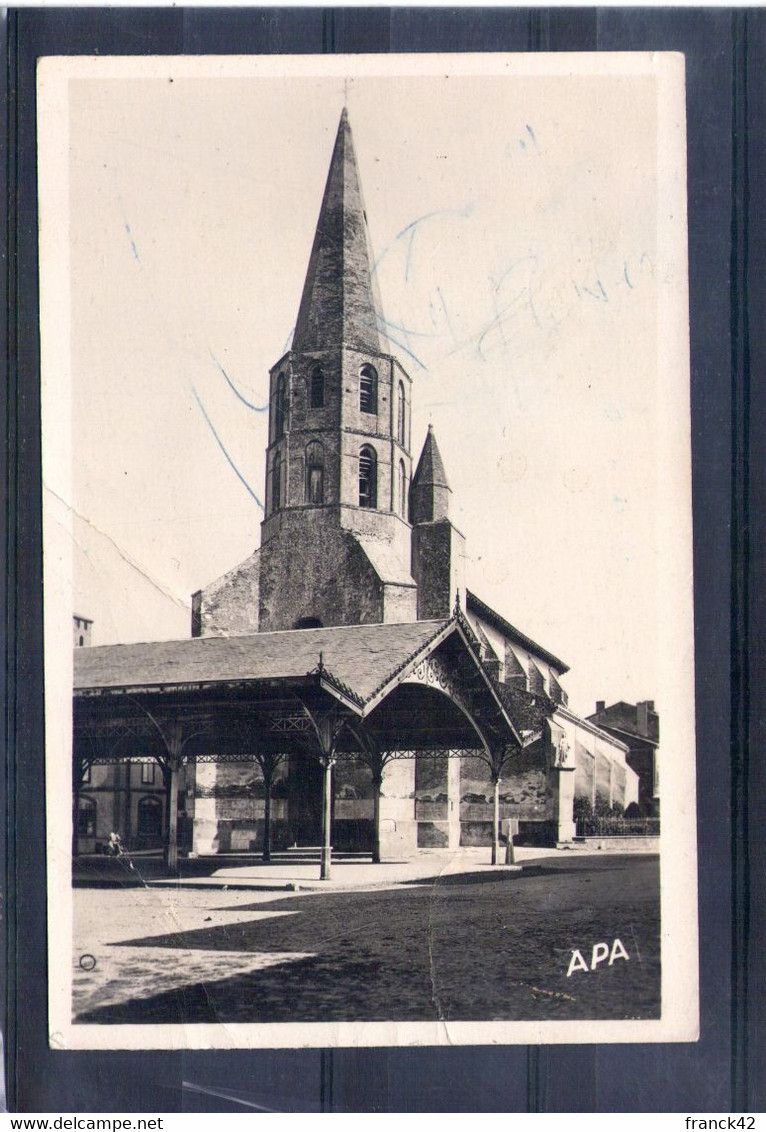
x=302 y=706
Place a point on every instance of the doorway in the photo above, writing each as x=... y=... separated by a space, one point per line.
x=149 y=824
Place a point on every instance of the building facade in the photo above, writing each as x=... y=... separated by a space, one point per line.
x=638 y=726
x=82 y=628
x=127 y=798
x=353 y=536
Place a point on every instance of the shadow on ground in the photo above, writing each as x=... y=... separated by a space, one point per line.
x=135 y=870
x=486 y=877
x=451 y=949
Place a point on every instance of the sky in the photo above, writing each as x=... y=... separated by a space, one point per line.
x=517 y=227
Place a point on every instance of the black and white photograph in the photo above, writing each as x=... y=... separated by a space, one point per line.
x=369 y=659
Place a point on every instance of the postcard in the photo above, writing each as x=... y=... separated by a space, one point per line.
x=367 y=543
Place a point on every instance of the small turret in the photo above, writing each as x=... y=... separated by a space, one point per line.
x=438 y=548
x=430 y=492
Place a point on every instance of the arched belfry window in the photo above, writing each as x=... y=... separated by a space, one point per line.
x=315 y=473
x=276 y=481
x=368 y=389
x=400 y=415
x=402 y=490
x=316 y=388
x=368 y=477
x=280 y=407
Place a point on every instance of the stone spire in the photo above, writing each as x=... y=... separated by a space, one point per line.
x=430 y=492
x=340 y=302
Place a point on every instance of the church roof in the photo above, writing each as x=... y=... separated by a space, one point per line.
x=340 y=302
x=527 y=709
x=359 y=657
x=475 y=605
x=430 y=469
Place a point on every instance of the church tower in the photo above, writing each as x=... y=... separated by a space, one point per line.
x=438 y=547
x=349 y=535
x=335 y=539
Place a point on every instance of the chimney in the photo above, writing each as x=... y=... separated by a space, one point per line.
x=642 y=716
x=600 y=705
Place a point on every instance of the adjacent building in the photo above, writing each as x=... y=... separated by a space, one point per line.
x=638 y=726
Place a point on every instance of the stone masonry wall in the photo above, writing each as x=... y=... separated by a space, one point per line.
x=584 y=773
x=438 y=550
x=524 y=794
x=229 y=808
x=312 y=568
x=432 y=802
x=230 y=604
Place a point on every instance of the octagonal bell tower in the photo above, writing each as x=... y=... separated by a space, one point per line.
x=335 y=540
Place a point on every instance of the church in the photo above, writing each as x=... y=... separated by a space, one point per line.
x=345 y=687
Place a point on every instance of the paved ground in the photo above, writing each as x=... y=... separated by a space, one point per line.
x=288 y=871
x=450 y=938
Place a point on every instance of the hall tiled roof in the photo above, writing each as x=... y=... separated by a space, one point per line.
x=361 y=657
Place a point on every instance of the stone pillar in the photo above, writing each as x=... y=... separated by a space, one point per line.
x=563 y=802
x=396 y=822
x=205 y=838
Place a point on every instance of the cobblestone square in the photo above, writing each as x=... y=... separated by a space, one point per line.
x=474 y=944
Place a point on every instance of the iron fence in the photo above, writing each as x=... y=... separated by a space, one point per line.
x=618 y=827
